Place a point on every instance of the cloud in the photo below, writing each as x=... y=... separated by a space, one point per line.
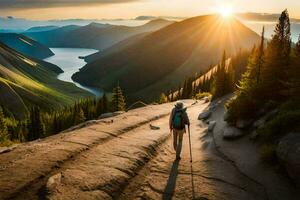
x=27 y=4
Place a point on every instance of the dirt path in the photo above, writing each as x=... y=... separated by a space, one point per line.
x=210 y=176
x=25 y=170
x=124 y=158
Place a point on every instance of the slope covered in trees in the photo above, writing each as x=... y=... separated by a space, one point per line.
x=271 y=85
x=162 y=60
x=94 y=35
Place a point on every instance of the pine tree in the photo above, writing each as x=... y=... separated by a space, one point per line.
x=118 y=100
x=274 y=73
x=36 y=127
x=296 y=71
x=163 y=98
x=79 y=116
x=219 y=84
x=3 y=127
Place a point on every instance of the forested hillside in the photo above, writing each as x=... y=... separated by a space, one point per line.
x=163 y=59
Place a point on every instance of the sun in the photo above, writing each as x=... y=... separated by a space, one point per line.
x=226 y=11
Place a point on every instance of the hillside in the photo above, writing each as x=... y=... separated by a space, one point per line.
x=25 y=82
x=163 y=59
x=95 y=35
x=25 y=45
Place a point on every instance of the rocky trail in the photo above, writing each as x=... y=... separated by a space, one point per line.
x=130 y=156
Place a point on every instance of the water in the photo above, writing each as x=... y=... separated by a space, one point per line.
x=68 y=60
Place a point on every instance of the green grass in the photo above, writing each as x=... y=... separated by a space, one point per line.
x=25 y=82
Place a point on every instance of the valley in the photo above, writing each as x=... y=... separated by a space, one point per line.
x=68 y=60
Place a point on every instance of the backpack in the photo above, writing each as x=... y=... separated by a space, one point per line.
x=178 y=120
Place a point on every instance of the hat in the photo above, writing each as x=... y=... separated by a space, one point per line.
x=179 y=105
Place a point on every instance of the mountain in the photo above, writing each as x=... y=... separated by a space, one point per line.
x=52 y=38
x=116 y=47
x=95 y=35
x=41 y=28
x=163 y=59
x=25 y=45
x=26 y=82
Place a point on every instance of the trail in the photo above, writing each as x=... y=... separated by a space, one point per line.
x=124 y=158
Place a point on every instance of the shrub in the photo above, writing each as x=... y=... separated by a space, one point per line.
x=284 y=122
x=201 y=95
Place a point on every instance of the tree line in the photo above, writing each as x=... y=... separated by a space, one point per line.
x=271 y=82
x=218 y=81
x=39 y=124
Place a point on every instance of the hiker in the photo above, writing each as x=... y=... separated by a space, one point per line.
x=177 y=122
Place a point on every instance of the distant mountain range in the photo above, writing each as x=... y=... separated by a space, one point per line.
x=25 y=45
x=161 y=60
x=95 y=35
x=26 y=82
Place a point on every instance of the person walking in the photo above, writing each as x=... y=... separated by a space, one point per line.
x=177 y=122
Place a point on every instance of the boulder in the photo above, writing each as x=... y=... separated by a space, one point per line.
x=254 y=135
x=204 y=115
x=226 y=116
x=206 y=99
x=262 y=121
x=53 y=182
x=288 y=153
x=231 y=132
x=240 y=123
x=211 y=125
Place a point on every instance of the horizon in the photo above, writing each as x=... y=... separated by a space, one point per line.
x=129 y=9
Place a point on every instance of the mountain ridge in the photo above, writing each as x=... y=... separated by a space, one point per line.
x=165 y=57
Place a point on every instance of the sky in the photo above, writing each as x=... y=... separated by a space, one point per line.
x=116 y=9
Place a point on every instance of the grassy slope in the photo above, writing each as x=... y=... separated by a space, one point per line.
x=162 y=60
x=25 y=45
x=25 y=82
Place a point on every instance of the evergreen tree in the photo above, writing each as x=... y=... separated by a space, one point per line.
x=296 y=71
x=277 y=63
x=163 y=98
x=260 y=57
x=79 y=116
x=219 y=84
x=118 y=100
x=3 y=127
x=36 y=127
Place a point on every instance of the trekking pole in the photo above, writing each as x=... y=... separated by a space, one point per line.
x=190 y=144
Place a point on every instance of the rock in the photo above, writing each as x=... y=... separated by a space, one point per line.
x=211 y=125
x=4 y=150
x=212 y=107
x=262 y=121
x=204 y=115
x=206 y=99
x=154 y=127
x=226 y=116
x=231 y=132
x=288 y=152
x=240 y=123
x=53 y=182
x=254 y=135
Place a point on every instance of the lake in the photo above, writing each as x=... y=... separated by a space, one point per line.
x=68 y=60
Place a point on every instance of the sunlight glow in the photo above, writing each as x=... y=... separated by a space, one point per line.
x=226 y=11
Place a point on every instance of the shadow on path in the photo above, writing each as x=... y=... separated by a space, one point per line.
x=170 y=187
